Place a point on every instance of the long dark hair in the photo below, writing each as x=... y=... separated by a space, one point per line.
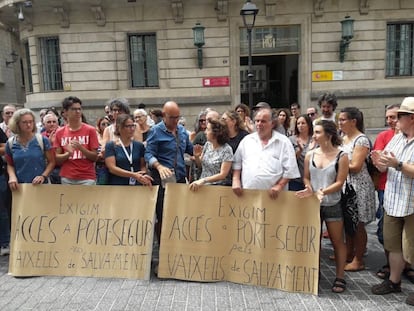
x=308 y=122
x=354 y=113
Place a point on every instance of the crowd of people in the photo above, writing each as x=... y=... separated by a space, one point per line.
x=273 y=150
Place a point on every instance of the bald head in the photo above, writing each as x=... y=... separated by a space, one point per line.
x=171 y=115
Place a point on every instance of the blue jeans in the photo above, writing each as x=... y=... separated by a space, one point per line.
x=4 y=211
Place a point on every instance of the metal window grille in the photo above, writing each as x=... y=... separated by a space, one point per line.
x=143 y=60
x=400 y=52
x=50 y=64
x=29 y=88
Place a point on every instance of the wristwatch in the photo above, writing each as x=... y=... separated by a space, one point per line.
x=399 y=166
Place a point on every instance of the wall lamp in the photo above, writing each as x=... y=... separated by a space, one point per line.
x=14 y=56
x=347 y=34
x=198 y=32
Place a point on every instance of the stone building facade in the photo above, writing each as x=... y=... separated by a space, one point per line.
x=144 y=50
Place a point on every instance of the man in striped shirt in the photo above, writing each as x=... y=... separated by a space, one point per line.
x=398 y=160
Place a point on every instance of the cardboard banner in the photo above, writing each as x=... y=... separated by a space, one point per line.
x=213 y=235
x=103 y=231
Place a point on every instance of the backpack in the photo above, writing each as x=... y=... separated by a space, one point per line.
x=39 y=139
x=372 y=169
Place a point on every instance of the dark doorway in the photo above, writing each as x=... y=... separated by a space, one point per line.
x=275 y=79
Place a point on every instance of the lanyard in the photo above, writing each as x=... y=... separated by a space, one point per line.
x=129 y=156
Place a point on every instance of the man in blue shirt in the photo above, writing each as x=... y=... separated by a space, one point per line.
x=167 y=142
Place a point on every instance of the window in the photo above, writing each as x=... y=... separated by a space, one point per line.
x=400 y=39
x=143 y=60
x=50 y=64
x=29 y=88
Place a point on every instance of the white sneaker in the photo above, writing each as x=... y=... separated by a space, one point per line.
x=4 y=250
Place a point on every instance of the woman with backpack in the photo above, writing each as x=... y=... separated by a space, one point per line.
x=325 y=171
x=357 y=146
x=29 y=156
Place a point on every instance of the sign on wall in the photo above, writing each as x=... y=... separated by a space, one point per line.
x=213 y=235
x=271 y=40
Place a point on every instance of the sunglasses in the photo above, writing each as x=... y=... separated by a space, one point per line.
x=311 y=114
x=402 y=114
x=9 y=113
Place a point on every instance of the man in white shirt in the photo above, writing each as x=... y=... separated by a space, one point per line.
x=264 y=159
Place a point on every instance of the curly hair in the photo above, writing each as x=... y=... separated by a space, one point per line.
x=330 y=98
x=220 y=130
x=17 y=116
x=121 y=103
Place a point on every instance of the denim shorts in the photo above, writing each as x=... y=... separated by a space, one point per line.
x=332 y=213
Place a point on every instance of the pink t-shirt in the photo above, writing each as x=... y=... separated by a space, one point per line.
x=77 y=166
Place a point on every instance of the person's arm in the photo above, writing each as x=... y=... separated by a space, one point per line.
x=13 y=182
x=278 y=187
x=236 y=184
x=198 y=155
x=51 y=163
x=224 y=171
x=308 y=191
x=359 y=155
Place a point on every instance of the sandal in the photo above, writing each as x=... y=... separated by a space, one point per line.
x=339 y=286
x=409 y=274
x=384 y=272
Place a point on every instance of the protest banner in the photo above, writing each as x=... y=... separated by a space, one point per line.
x=213 y=235
x=101 y=231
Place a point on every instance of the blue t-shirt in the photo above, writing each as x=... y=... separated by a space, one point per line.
x=28 y=161
x=121 y=160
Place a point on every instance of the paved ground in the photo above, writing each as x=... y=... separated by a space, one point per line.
x=77 y=293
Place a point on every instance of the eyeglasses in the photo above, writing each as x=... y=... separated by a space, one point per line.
x=115 y=110
x=311 y=114
x=403 y=114
x=9 y=113
x=202 y=120
x=27 y=122
x=139 y=117
x=130 y=126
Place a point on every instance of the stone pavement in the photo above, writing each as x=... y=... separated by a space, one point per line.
x=79 y=293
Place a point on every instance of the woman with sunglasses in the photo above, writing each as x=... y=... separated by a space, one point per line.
x=124 y=157
x=200 y=124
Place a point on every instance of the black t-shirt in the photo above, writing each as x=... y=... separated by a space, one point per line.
x=3 y=140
